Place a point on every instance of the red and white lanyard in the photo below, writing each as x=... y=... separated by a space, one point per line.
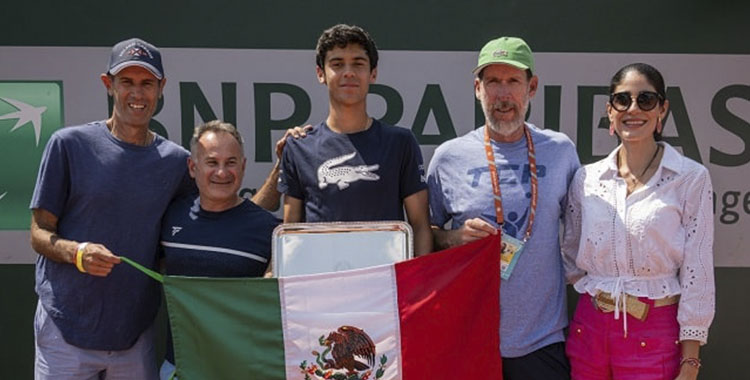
x=496 y=179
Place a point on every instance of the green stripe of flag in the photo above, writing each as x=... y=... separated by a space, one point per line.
x=153 y=274
x=217 y=312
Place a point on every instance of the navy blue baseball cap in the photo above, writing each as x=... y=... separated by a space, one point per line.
x=136 y=52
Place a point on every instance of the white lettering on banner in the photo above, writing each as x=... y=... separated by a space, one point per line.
x=265 y=91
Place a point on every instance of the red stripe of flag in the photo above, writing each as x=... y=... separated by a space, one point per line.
x=449 y=307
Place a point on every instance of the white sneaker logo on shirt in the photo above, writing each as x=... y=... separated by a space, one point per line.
x=175 y=230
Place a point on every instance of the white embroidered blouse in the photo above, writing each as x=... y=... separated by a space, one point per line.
x=656 y=242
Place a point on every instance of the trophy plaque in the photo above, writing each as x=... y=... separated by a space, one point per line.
x=307 y=248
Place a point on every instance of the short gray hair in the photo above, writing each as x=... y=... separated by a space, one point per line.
x=214 y=126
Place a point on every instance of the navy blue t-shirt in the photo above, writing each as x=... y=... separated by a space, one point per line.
x=361 y=176
x=105 y=191
x=230 y=243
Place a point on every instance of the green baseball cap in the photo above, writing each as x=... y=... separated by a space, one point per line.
x=506 y=50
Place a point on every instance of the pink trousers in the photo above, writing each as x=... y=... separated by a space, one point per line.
x=598 y=349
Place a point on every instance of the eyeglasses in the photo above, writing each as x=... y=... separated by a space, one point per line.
x=646 y=100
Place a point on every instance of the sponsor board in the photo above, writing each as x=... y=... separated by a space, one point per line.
x=264 y=92
x=29 y=112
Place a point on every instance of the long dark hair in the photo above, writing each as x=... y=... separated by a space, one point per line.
x=652 y=75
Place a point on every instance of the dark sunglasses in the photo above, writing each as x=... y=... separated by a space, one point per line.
x=646 y=100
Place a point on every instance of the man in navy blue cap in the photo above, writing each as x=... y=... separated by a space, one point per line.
x=101 y=192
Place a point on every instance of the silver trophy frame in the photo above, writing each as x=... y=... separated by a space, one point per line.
x=307 y=248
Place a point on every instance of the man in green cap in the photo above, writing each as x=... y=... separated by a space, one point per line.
x=511 y=177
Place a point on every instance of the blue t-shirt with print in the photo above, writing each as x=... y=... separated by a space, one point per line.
x=532 y=300
x=361 y=176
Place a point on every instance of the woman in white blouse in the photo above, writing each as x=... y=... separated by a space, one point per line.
x=638 y=246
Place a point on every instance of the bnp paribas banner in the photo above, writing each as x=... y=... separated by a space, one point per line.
x=431 y=92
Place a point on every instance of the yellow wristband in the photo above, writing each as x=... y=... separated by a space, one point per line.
x=79 y=257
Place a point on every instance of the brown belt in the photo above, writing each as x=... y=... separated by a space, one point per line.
x=636 y=308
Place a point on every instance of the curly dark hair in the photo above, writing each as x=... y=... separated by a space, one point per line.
x=342 y=35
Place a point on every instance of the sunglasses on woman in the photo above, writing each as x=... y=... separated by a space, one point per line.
x=646 y=100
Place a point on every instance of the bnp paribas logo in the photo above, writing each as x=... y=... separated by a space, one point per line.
x=30 y=111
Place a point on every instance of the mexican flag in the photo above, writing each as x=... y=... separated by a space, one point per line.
x=433 y=317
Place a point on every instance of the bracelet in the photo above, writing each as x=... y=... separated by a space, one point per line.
x=694 y=362
x=79 y=257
